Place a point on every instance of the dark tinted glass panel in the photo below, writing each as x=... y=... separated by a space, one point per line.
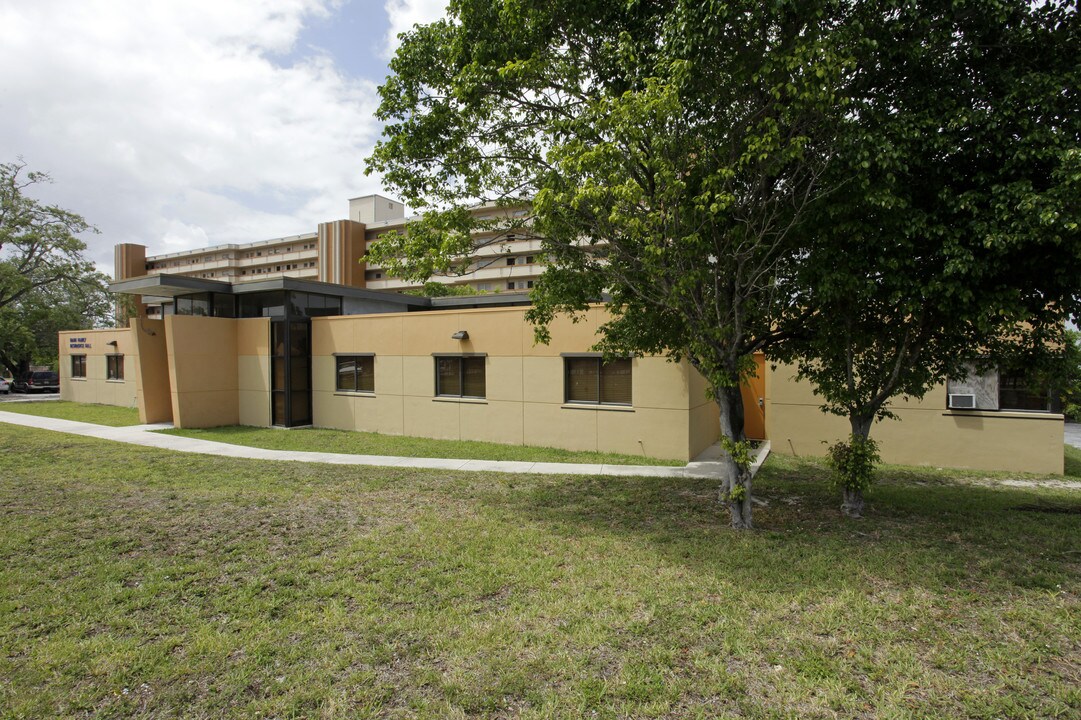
x=298 y=303
x=366 y=374
x=277 y=339
x=473 y=377
x=277 y=407
x=183 y=306
x=616 y=382
x=448 y=376
x=301 y=412
x=347 y=377
x=224 y=305
x=114 y=367
x=333 y=305
x=298 y=373
x=273 y=304
x=277 y=373
x=78 y=366
x=1015 y=393
x=269 y=304
x=581 y=383
x=200 y=305
x=298 y=339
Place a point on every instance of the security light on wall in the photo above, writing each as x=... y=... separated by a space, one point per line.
x=111 y=342
x=460 y=335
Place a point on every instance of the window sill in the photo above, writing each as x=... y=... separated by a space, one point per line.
x=466 y=400
x=1006 y=414
x=119 y=382
x=358 y=393
x=77 y=379
x=598 y=406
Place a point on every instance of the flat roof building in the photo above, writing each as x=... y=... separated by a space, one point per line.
x=299 y=332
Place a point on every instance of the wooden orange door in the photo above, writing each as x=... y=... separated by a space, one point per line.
x=754 y=399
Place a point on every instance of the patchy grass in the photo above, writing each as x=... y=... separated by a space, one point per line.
x=81 y=412
x=366 y=443
x=154 y=584
x=1072 y=462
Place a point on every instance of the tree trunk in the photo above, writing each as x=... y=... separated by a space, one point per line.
x=861 y=426
x=852 y=502
x=852 y=498
x=735 y=490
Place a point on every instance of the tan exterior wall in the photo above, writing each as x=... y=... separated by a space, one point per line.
x=253 y=371
x=153 y=391
x=203 y=370
x=925 y=433
x=95 y=388
x=524 y=385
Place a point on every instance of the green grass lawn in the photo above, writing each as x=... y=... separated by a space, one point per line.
x=365 y=443
x=1072 y=462
x=143 y=583
x=81 y=412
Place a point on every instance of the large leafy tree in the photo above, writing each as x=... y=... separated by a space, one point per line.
x=45 y=281
x=666 y=149
x=956 y=238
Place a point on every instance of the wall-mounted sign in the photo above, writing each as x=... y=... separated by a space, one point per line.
x=78 y=344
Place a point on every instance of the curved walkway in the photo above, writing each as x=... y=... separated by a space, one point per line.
x=706 y=466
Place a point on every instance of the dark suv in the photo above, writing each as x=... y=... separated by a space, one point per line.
x=37 y=381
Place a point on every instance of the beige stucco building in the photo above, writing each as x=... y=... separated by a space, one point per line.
x=292 y=352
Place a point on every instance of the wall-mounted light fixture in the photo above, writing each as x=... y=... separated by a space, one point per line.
x=460 y=335
x=111 y=342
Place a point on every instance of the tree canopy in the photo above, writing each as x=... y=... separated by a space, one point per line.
x=666 y=151
x=739 y=176
x=46 y=283
x=955 y=239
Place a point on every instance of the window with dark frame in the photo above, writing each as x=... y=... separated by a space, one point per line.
x=590 y=380
x=1000 y=389
x=460 y=376
x=114 y=367
x=78 y=366
x=356 y=373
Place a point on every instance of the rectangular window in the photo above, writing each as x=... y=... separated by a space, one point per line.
x=510 y=261
x=78 y=366
x=460 y=376
x=591 y=380
x=114 y=367
x=1018 y=392
x=998 y=390
x=356 y=373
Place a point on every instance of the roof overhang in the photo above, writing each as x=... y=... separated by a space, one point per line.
x=168 y=286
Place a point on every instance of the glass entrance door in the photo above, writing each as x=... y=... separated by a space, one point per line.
x=290 y=372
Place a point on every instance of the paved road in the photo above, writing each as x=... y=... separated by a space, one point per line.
x=31 y=397
x=1073 y=434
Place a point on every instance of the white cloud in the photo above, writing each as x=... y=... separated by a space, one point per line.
x=404 y=14
x=171 y=124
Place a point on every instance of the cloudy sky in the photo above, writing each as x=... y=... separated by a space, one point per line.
x=184 y=123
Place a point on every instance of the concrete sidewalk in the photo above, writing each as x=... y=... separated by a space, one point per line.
x=706 y=466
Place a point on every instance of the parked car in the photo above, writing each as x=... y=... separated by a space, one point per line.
x=5 y=386
x=37 y=381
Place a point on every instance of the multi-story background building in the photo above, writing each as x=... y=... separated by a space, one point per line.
x=504 y=261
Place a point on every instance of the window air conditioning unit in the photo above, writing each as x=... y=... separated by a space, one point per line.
x=962 y=402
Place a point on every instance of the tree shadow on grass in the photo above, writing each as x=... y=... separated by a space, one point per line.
x=919 y=529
